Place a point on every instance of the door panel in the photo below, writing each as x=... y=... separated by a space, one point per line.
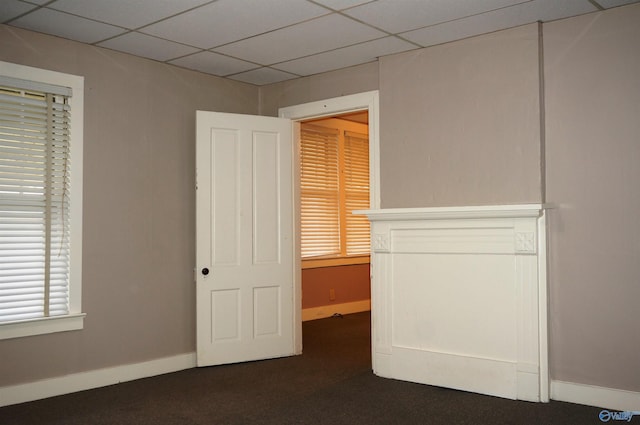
x=225 y=309
x=266 y=195
x=226 y=180
x=266 y=312
x=244 y=237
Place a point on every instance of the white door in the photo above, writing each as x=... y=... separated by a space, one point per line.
x=244 y=238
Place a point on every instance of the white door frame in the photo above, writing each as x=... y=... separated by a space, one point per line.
x=338 y=105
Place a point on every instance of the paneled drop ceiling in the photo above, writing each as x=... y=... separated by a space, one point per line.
x=267 y=41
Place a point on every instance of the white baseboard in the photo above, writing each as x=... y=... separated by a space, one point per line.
x=329 y=310
x=589 y=395
x=93 y=379
x=607 y=398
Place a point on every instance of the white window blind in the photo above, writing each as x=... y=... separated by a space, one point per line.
x=356 y=186
x=319 y=191
x=334 y=182
x=34 y=200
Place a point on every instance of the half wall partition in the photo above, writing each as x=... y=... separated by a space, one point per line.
x=459 y=298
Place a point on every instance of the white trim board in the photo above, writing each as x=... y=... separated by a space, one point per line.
x=569 y=392
x=45 y=388
x=609 y=398
x=325 y=311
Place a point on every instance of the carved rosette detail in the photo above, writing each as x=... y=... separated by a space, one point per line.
x=381 y=242
x=525 y=242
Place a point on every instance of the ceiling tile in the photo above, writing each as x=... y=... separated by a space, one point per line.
x=225 y=21
x=533 y=11
x=66 y=26
x=348 y=56
x=549 y=10
x=12 y=8
x=413 y=14
x=125 y=13
x=289 y=37
x=614 y=3
x=213 y=63
x=263 y=76
x=148 y=47
x=341 y=4
x=315 y=36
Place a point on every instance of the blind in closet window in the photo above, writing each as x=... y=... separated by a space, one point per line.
x=356 y=186
x=319 y=191
x=334 y=182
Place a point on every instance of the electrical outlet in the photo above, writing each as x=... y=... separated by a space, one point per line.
x=332 y=294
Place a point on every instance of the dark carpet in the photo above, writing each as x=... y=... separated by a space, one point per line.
x=331 y=383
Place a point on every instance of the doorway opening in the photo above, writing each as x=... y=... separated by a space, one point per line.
x=353 y=107
x=334 y=181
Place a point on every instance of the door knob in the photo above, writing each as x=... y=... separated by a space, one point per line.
x=205 y=271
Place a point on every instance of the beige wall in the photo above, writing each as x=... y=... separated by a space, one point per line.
x=460 y=123
x=349 y=283
x=592 y=79
x=356 y=79
x=139 y=206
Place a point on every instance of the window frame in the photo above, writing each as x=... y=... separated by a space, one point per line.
x=74 y=320
x=352 y=260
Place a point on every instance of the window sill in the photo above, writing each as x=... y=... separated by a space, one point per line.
x=42 y=326
x=333 y=262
